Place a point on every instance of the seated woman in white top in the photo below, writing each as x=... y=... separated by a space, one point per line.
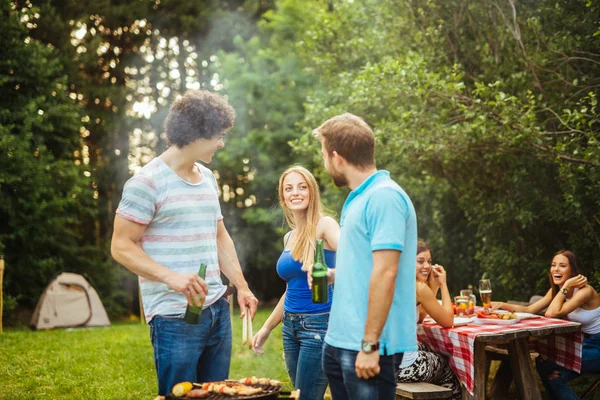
x=572 y=298
x=425 y=365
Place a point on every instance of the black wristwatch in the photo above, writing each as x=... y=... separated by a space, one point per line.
x=369 y=347
x=564 y=291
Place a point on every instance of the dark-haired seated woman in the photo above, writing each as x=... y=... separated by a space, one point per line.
x=425 y=365
x=572 y=298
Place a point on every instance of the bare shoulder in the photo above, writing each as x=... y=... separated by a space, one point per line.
x=326 y=222
x=423 y=290
x=286 y=237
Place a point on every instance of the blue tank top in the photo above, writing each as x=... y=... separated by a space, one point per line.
x=298 y=298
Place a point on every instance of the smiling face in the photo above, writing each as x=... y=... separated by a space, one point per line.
x=296 y=193
x=423 y=265
x=560 y=270
x=206 y=148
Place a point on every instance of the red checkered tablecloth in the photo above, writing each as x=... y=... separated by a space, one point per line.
x=459 y=343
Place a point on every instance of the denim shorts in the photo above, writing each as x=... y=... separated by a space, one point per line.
x=303 y=336
x=194 y=353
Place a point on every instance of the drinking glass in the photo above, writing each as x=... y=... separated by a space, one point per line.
x=462 y=304
x=485 y=291
x=472 y=300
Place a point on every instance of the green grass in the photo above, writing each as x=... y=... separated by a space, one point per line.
x=117 y=362
x=109 y=363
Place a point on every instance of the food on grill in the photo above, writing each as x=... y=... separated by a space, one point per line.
x=229 y=388
x=197 y=393
x=497 y=315
x=182 y=388
x=259 y=381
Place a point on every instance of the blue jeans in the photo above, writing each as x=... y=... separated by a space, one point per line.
x=194 y=353
x=345 y=384
x=558 y=388
x=303 y=336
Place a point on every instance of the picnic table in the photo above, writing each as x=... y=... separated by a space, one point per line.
x=554 y=339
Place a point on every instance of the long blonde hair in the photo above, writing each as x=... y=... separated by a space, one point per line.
x=306 y=234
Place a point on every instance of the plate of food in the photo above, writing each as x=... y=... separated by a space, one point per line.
x=496 y=318
x=526 y=315
x=461 y=321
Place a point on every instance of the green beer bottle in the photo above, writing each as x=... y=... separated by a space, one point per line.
x=192 y=313
x=320 y=288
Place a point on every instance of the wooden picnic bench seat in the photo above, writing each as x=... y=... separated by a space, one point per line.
x=421 y=390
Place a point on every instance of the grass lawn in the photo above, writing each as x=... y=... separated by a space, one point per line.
x=109 y=363
x=117 y=362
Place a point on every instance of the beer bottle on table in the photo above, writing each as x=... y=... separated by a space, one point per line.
x=320 y=288
x=192 y=313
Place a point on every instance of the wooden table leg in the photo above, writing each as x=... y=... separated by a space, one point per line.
x=502 y=380
x=480 y=369
x=522 y=368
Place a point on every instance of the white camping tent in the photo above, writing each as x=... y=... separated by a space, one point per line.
x=69 y=301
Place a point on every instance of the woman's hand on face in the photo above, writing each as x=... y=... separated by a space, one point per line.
x=432 y=282
x=576 y=282
x=439 y=274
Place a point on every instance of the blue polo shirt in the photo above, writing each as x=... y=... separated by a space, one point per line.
x=377 y=215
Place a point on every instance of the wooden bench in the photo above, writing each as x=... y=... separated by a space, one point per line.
x=421 y=390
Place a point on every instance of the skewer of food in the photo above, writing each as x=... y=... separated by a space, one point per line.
x=253 y=380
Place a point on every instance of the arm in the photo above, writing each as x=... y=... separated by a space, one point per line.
x=381 y=293
x=432 y=282
x=271 y=323
x=534 y=308
x=127 y=252
x=329 y=230
x=443 y=313
x=559 y=308
x=230 y=266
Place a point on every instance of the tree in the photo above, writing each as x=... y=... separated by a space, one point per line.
x=45 y=194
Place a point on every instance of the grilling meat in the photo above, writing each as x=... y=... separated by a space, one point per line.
x=197 y=393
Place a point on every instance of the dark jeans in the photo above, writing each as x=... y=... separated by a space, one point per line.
x=194 y=353
x=303 y=336
x=558 y=388
x=338 y=365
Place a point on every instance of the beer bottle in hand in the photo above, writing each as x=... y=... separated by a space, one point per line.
x=192 y=313
x=320 y=288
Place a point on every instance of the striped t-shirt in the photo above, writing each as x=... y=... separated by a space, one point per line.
x=181 y=232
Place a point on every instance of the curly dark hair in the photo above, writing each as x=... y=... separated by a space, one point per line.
x=198 y=114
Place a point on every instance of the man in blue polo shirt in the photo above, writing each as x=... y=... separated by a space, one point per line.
x=373 y=314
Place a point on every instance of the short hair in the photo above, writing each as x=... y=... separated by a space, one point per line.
x=198 y=114
x=351 y=137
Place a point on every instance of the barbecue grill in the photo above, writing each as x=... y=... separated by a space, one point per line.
x=269 y=392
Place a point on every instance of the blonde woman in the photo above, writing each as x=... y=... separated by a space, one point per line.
x=304 y=322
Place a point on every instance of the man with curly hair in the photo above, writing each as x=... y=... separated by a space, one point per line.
x=169 y=222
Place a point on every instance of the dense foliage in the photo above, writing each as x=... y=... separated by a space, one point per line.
x=486 y=112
